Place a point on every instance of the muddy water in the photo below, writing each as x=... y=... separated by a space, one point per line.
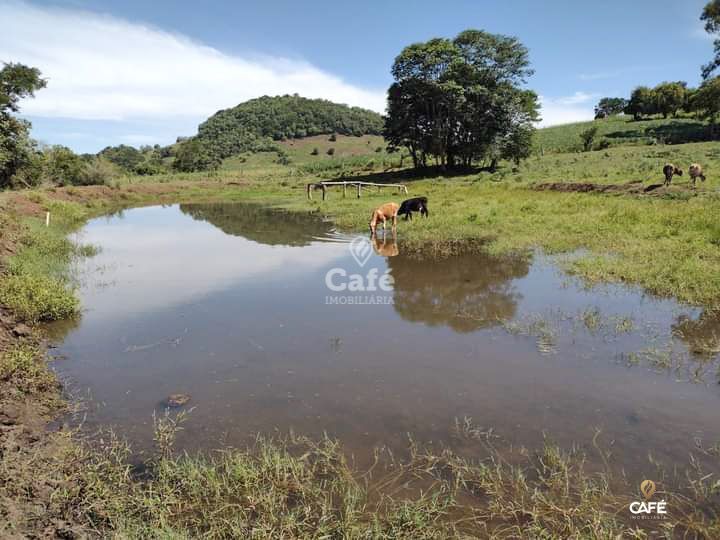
x=229 y=304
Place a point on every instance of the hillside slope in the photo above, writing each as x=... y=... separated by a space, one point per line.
x=250 y=124
x=623 y=131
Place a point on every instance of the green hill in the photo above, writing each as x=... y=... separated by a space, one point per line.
x=251 y=125
x=622 y=131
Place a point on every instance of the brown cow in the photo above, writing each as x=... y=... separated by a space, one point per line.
x=669 y=170
x=696 y=171
x=383 y=213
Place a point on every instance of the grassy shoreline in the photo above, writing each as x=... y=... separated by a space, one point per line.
x=299 y=488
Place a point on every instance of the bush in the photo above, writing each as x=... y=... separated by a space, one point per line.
x=193 y=155
x=315 y=152
x=98 y=171
x=332 y=138
x=378 y=149
x=63 y=167
x=587 y=137
x=38 y=298
x=330 y=152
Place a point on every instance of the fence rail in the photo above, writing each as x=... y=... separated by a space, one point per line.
x=323 y=186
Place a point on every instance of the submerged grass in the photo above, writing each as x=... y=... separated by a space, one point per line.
x=293 y=487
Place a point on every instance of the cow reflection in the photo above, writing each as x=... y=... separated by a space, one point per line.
x=466 y=292
x=385 y=247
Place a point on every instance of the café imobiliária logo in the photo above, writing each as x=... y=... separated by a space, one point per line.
x=648 y=509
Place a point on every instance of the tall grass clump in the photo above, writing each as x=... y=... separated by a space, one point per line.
x=37 y=285
x=36 y=298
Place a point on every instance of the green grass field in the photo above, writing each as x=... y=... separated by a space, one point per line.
x=622 y=131
x=667 y=242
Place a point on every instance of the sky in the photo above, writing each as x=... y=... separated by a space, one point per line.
x=138 y=72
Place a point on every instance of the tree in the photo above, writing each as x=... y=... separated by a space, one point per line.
x=194 y=155
x=711 y=17
x=669 y=97
x=458 y=101
x=17 y=82
x=63 y=166
x=609 y=106
x=642 y=102
x=124 y=156
x=706 y=100
x=19 y=158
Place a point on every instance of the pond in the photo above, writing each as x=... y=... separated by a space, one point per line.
x=249 y=311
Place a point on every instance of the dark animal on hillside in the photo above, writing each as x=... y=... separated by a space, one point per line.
x=696 y=171
x=382 y=214
x=416 y=204
x=669 y=170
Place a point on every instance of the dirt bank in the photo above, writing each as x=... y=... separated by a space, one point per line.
x=634 y=188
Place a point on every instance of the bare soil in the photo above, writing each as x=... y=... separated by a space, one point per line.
x=634 y=188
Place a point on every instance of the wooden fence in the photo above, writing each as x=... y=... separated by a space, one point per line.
x=323 y=186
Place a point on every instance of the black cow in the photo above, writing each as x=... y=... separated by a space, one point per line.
x=416 y=204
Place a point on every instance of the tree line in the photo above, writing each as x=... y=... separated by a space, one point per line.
x=666 y=99
x=669 y=98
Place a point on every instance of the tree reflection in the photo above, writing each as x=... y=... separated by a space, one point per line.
x=466 y=292
x=261 y=224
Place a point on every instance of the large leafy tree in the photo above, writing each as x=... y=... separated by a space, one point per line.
x=642 y=102
x=706 y=100
x=670 y=97
x=459 y=101
x=711 y=17
x=18 y=155
x=609 y=106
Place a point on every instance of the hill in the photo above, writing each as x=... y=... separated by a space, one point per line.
x=250 y=125
x=622 y=131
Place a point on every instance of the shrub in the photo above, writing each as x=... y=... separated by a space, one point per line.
x=332 y=138
x=330 y=152
x=63 y=166
x=587 y=137
x=99 y=171
x=315 y=152
x=38 y=298
x=378 y=149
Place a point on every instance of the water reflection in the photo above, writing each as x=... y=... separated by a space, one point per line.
x=385 y=246
x=261 y=224
x=702 y=334
x=465 y=293
x=226 y=303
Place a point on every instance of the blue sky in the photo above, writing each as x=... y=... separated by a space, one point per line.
x=145 y=72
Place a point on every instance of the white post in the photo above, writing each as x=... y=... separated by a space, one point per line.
x=47 y=219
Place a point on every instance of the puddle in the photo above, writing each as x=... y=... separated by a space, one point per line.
x=230 y=305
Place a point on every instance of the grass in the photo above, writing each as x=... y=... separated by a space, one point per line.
x=293 y=487
x=622 y=131
x=24 y=367
x=37 y=286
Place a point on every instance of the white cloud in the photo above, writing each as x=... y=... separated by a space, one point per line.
x=104 y=68
x=577 y=107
